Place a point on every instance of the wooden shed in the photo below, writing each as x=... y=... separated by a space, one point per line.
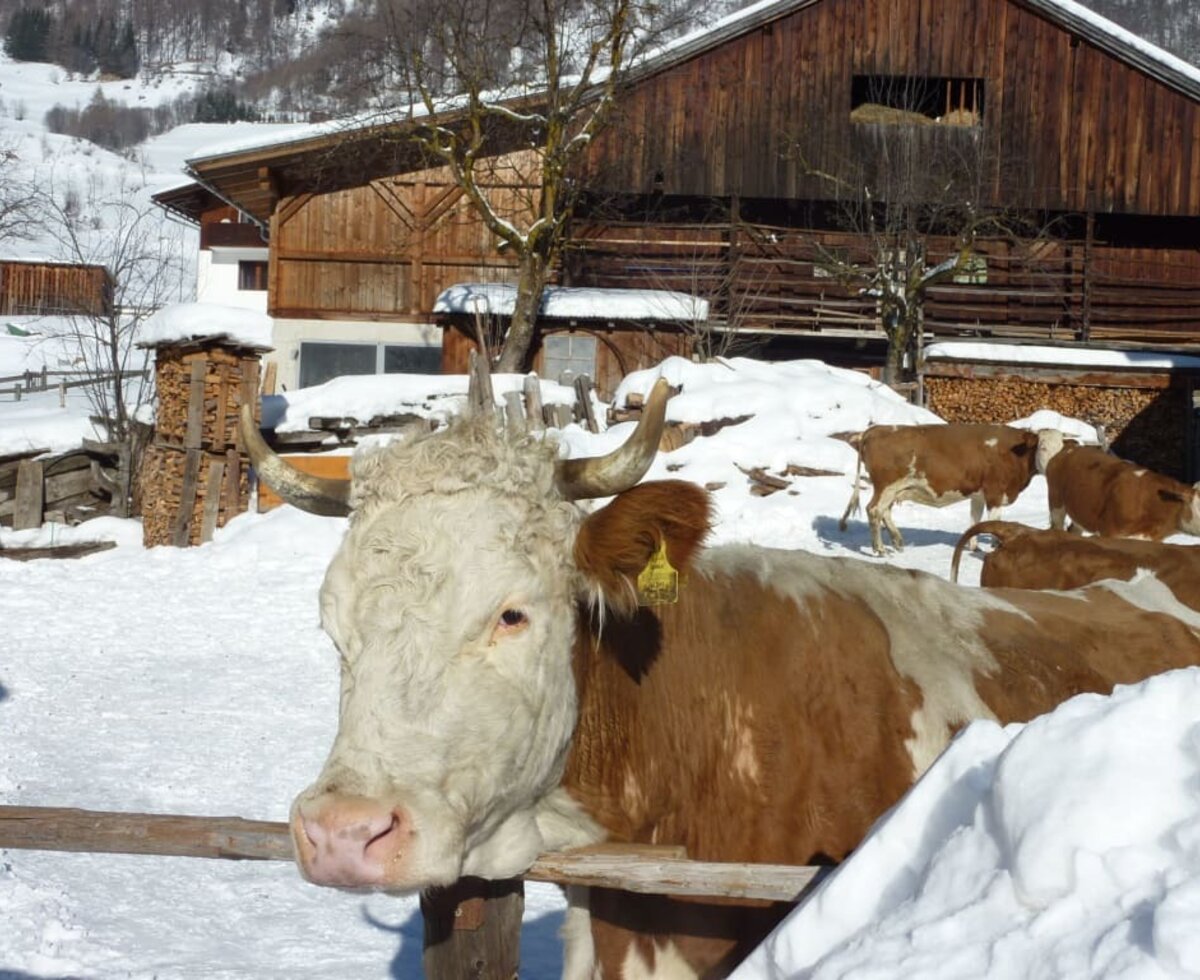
x=33 y=287
x=601 y=333
x=195 y=477
x=1144 y=400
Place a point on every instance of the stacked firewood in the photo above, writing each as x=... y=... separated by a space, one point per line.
x=1145 y=424
x=194 y=477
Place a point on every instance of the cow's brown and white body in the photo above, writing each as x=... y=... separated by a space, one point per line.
x=1033 y=558
x=940 y=465
x=504 y=694
x=1104 y=494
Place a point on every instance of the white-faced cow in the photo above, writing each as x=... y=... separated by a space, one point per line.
x=940 y=465
x=1104 y=494
x=505 y=693
x=1033 y=558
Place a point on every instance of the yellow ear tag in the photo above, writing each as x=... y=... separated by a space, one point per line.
x=658 y=582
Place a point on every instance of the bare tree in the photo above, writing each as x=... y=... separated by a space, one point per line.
x=507 y=94
x=19 y=214
x=144 y=257
x=923 y=172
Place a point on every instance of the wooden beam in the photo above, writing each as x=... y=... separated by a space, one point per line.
x=212 y=500
x=30 y=497
x=195 y=411
x=636 y=868
x=182 y=528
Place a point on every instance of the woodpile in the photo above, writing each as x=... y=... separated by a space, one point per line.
x=67 y=488
x=1146 y=424
x=194 y=477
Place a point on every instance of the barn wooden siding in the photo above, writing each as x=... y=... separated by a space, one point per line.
x=759 y=114
x=387 y=247
x=1147 y=416
x=41 y=288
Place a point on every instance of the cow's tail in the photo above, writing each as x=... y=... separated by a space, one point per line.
x=1002 y=531
x=855 y=503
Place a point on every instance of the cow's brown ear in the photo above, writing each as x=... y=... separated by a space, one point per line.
x=1170 y=496
x=615 y=543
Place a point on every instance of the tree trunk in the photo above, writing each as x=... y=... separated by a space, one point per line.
x=533 y=272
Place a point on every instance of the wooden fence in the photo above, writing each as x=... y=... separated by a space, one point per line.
x=455 y=917
x=16 y=386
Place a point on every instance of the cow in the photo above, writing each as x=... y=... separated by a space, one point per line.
x=939 y=465
x=521 y=675
x=1106 y=495
x=1034 y=558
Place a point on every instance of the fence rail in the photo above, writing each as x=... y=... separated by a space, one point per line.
x=649 y=870
x=31 y=381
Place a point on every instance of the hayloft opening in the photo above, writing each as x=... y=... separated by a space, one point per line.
x=916 y=100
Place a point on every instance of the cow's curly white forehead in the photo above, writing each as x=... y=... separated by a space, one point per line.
x=469 y=455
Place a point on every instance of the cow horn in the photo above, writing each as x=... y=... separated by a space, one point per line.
x=315 y=494
x=603 y=476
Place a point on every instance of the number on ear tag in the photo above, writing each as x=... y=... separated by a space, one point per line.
x=658 y=582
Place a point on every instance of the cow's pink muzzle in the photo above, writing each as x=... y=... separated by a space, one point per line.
x=351 y=841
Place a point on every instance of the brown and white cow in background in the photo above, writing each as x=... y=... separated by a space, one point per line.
x=940 y=465
x=1034 y=558
x=504 y=692
x=1104 y=494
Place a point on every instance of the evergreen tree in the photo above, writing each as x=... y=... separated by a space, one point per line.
x=28 y=35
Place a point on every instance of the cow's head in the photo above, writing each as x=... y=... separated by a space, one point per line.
x=1050 y=442
x=453 y=605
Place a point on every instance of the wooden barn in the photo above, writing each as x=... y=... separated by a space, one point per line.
x=729 y=170
x=35 y=287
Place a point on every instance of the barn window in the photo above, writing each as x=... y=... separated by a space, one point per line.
x=569 y=355
x=252 y=276
x=411 y=359
x=916 y=100
x=319 y=361
x=322 y=360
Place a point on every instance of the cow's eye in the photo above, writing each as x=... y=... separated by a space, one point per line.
x=511 y=622
x=512 y=618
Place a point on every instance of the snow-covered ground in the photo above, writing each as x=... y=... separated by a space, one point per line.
x=197 y=681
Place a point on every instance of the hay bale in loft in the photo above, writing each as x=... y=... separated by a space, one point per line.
x=194 y=475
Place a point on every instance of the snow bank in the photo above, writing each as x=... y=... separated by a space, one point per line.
x=1069 y=846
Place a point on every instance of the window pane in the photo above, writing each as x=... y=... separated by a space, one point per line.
x=320 y=362
x=252 y=275
x=411 y=359
x=569 y=352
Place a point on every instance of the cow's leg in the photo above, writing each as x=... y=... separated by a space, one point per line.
x=579 y=949
x=977 y=507
x=879 y=512
x=1058 y=518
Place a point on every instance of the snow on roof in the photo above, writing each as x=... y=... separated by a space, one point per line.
x=1068 y=356
x=573 y=302
x=206 y=321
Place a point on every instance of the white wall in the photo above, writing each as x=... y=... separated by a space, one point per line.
x=289 y=334
x=217 y=278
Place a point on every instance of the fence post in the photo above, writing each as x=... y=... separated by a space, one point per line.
x=17 y=392
x=62 y=394
x=473 y=929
